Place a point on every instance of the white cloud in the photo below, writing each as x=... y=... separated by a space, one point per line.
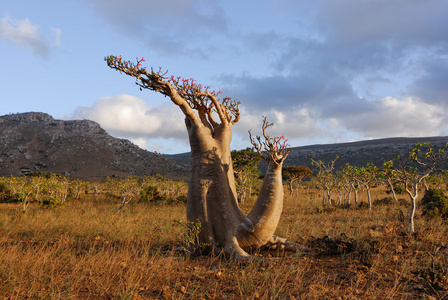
x=297 y=125
x=129 y=117
x=141 y=142
x=26 y=34
x=394 y=117
x=386 y=117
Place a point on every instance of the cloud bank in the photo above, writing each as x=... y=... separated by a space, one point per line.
x=28 y=35
x=129 y=117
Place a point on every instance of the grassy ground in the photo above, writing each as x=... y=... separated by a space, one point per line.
x=84 y=250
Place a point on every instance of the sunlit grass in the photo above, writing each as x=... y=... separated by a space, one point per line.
x=86 y=250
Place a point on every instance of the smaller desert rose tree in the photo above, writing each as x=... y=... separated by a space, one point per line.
x=245 y=168
x=386 y=174
x=413 y=170
x=294 y=175
x=366 y=176
x=325 y=177
x=348 y=177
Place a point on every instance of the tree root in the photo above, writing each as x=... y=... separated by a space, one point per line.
x=281 y=243
x=237 y=254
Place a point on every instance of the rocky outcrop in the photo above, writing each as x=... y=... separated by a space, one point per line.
x=33 y=142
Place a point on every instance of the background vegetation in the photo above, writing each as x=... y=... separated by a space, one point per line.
x=85 y=247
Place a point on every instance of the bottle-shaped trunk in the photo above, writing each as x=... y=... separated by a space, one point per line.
x=262 y=221
x=212 y=199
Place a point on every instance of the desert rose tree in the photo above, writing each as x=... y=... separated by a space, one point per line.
x=212 y=199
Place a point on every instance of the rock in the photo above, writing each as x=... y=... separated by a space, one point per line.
x=32 y=142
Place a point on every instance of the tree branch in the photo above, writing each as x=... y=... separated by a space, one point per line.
x=185 y=93
x=271 y=149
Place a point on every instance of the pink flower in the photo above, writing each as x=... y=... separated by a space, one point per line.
x=143 y=59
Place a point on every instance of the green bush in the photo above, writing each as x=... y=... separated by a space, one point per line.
x=384 y=201
x=182 y=199
x=5 y=193
x=10 y=198
x=50 y=201
x=435 y=203
x=112 y=195
x=398 y=188
x=149 y=193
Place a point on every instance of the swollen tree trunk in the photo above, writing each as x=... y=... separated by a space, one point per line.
x=212 y=199
x=258 y=228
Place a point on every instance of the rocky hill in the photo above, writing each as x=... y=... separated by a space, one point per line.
x=35 y=142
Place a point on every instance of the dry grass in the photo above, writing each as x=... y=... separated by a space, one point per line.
x=84 y=250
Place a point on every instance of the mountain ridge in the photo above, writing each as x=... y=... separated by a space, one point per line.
x=36 y=142
x=357 y=153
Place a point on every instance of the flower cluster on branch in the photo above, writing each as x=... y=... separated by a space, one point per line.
x=183 y=92
x=275 y=149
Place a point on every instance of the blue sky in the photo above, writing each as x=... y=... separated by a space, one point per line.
x=323 y=71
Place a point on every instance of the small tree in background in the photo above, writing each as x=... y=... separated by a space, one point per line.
x=245 y=168
x=294 y=176
x=367 y=176
x=348 y=177
x=325 y=177
x=386 y=174
x=413 y=170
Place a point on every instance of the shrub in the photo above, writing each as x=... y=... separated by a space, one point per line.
x=182 y=199
x=363 y=205
x=435 y=203
x=149 y=193
x=112 y=195
x=403 y=202
x=384 y=201
x=8 y=197
x=5 y=193
x=50 y=201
